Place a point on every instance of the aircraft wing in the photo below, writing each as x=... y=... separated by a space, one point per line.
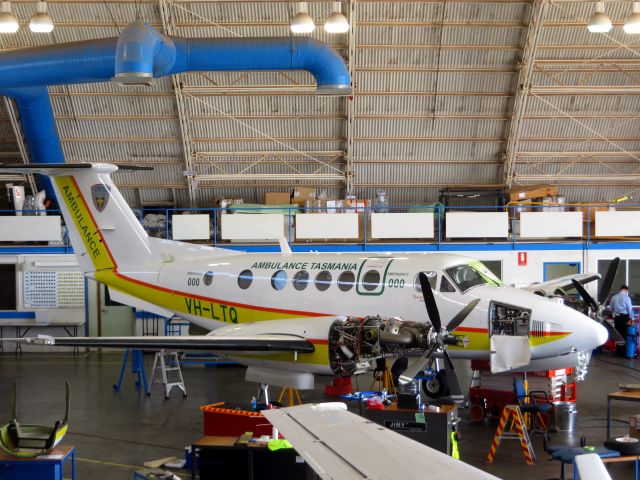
x=222 y=343
x=563 y=283
x=338 y=445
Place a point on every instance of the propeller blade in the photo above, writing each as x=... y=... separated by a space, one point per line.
x=455 y=392
x=461 y=315
x=613 y=333
x=607 y=282
x=417 y=366
x=430 y=301
x=585 y=295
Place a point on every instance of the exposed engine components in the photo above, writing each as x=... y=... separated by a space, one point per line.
x=355 y=343
x=509 y=319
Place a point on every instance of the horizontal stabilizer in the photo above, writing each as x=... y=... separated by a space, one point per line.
x=55 y=169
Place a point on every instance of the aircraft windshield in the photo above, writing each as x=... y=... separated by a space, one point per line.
x=466 y=277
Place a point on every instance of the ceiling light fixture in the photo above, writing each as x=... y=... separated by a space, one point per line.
x=599 y=21
x=41 y=21
x=302 y=22
x=8 y=22
x=337 y=22
x=632 y=23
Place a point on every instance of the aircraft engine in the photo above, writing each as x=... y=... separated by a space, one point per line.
x=355 y=343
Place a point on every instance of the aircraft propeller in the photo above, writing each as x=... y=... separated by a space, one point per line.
x=597 y=307
x=440 y=338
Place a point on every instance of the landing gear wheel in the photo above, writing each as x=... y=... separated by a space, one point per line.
x=477 y=412
x=436 y=387
x=626 y=447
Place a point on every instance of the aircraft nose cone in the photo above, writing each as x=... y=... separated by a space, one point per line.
x=601 y=334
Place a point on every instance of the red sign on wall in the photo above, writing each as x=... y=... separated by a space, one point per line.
x=522 y=259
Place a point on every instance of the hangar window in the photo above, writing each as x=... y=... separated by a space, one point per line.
x=279 y=280
x=301 y=280
x=371 y=280
x=207 y=278
x=323 y=280
x=245 y=279
x=346 y=280
x=431 y=276
x=445 y=285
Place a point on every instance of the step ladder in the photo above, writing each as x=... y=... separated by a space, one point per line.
x=169 y=366
x=512 y=413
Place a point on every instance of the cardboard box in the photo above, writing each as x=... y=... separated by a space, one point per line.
x=634 y=426
x=302 y=194
x=529 y=192
x=277 y=198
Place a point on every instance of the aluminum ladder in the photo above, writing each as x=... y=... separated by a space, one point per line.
x=169 y=366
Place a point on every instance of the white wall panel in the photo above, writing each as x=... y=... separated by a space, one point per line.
x=30 y=229
x=321 y=226
x=477 y=225
x=617 y=224
x=402 y=225
x=252 y=226
x=550 y=224
x=190 y=227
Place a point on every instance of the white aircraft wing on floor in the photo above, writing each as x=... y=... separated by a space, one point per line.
x=564 y=283
x=340 y=445
x=590 y=467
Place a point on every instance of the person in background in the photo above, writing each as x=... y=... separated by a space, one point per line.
x=622 y=309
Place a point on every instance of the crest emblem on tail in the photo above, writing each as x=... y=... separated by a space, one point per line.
x=100 y=196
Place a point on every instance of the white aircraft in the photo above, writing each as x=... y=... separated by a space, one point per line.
x=299 y=314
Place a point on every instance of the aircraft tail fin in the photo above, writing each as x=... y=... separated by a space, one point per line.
x=104 y=231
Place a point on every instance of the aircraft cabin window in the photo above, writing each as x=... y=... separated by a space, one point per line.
x=431 y=276
x=371 y=280
x=245 y=279
x=445 y=286
x=208 y=278
x=323 y=280
x=279 y=280
x=346 y=280
x=301 y=280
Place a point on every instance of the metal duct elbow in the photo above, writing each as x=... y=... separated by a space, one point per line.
x=142 y=54
x=289 y=53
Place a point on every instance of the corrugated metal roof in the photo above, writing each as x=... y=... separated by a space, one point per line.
x=434 y=86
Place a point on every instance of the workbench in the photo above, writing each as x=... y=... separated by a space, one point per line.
x=44 y=467
x=621 y=396
x=22 y=328
x=431 y=427
x=223 y=457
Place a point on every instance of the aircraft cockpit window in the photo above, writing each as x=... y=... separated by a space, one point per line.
x=431 y=276
x=245 y=279
x=371 y=280
x=301 y=280
x=466 y=277
x=207 y=278
x=323 y=280
x=445 y=286
x=346 y=281
x=279 y=280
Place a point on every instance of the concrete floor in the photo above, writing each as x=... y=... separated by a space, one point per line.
x=115 y=432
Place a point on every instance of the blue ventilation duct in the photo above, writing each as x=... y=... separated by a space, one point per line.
x=139 y=54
